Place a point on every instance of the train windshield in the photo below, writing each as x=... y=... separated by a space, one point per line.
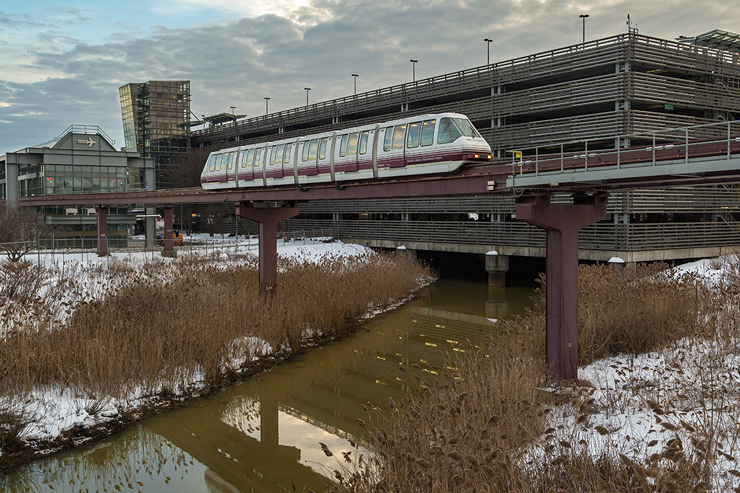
x=452 y=128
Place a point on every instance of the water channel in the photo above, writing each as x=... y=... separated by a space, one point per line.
x=263 y=435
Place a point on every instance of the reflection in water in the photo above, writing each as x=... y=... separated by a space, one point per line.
x=264 y=434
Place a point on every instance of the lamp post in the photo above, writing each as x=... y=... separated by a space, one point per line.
x=355 y=76
x=267 y=102
x=232 y=109
x=307 y=89
x=583 y=16
x=488 y=50
x=413 y=70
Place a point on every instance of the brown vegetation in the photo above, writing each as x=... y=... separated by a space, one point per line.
x=490 y=421
x=159 y=330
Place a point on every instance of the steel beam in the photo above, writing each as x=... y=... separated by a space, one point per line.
x=268 y=219
x=102 y=225
x=562 y=222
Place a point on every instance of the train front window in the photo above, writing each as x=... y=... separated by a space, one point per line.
x=212 y=163
x=427 y=132
x=467 y=128
x=412 y=138
x=399 y=132
x=448 y=131
x=363 y=142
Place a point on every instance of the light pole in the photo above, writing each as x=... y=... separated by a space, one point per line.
x=307 y=89
x=413 y=70
x=355 y=76
x=267 y=102
x=488 y=50
x=583 y=16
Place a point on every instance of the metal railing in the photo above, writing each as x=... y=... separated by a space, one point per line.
x=600 y=236
x=720 y=139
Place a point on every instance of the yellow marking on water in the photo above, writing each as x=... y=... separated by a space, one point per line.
x=452 y=342
x=380 y=357
x=379 y=382
x=430 y=344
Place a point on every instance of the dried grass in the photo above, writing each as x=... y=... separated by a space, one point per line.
x=489 y=422
x=157 y=329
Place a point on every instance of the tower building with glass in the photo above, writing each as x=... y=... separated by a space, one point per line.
x=156 y=124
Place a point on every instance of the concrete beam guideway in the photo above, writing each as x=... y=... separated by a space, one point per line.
x=562 y=222
x=268 y=219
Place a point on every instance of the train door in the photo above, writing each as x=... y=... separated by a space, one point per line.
x=246 y=165
x=230 y=168
x=347 y=161
x=288 y=158
x=398 y=158
x=309 y=158
x=275 y=162
x=364 y=150
x=413 y=152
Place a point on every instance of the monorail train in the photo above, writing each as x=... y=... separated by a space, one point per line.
x=423 y=144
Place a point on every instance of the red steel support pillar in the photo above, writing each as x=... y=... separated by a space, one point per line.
x=168 y=242
x=268 y=218
x=102 y=224
x=562 y=223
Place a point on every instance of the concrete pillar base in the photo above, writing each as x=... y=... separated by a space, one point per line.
x=167 y=241
x=497 y=266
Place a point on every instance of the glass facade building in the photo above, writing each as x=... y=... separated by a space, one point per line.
x=81 y=160
x=156 y=124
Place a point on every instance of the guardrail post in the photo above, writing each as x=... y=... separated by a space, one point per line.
x=728 y=140
x=653 y=148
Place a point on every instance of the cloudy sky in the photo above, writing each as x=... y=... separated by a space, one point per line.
x=62 y=62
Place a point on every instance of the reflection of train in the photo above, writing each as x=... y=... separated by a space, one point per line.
x=415 y=145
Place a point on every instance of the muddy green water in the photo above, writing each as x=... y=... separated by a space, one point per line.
x=263 y=435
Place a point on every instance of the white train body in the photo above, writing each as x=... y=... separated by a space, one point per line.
x=423 y=144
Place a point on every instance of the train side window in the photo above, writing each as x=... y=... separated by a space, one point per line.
x=344 y=140
x=312 y=149
x=363 y=142
x=230 y=160
x=388 y=138
x=304 y=154
x=322 y=147
x=250 y=159
x=399 y=132
x=427 y=132
x=448 y=131
x=352 y=145
x=288 y=148
x=412 y=138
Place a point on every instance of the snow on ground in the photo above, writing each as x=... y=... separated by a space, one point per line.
x=637 y=405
